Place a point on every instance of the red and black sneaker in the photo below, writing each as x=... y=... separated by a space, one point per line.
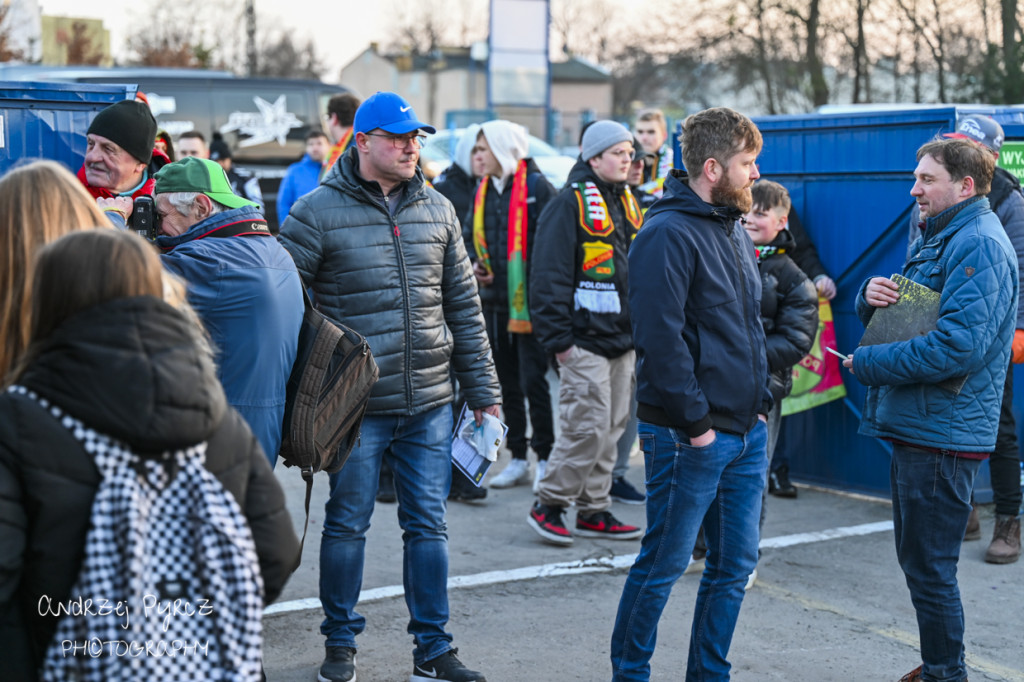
x=603 y=525
x=547 y=521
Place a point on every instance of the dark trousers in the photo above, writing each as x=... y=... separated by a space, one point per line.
x=522 y=366
x=1004 y=464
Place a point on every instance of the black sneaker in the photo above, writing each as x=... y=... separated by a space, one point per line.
x=603 y=525
x=463 y=490
x=447 y=668
x=547 y=521
x=779 y=484
x=623 y=491
x=339 y=665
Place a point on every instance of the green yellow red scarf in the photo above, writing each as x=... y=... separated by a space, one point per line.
x=594 y=217
x=518 y=217
x=336 y=152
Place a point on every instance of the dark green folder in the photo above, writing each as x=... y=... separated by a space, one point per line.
x=915 y=314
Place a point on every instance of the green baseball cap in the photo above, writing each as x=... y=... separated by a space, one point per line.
x=193 y=174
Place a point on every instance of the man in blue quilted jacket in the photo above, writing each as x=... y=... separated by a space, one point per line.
x=940 y=433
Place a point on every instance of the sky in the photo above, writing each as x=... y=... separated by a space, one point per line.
x=328 y=22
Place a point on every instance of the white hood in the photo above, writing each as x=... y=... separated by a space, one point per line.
x=464 y=149
x=509 y=143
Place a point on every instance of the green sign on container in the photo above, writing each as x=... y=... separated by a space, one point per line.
x=1011 y=157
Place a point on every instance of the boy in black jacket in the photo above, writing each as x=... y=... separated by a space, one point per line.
x=789 y=302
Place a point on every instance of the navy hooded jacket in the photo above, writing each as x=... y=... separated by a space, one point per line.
x=695 y=297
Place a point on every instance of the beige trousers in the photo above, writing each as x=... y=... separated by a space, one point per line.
x=593 y=407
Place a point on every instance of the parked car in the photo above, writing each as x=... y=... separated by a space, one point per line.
x=263 y=120
x=439 y=149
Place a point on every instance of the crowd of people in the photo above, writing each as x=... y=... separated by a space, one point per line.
x=671 y=305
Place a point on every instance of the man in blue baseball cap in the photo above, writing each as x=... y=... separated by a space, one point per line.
x=384 y=253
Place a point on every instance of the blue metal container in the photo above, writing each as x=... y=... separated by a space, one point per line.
x=49 y=120
x=850 y=177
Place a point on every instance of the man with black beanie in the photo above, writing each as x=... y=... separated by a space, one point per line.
x=120 y=159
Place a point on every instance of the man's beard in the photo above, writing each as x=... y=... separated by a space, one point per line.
x=725 y=194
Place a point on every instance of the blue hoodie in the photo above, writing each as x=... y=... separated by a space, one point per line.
x=695 y=301
x=301 y=178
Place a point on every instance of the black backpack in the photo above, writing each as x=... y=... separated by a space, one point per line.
x=326 y=398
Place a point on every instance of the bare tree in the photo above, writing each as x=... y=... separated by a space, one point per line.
x=79 y=45
x=8 y=50
x=168 y=34
x=428 y=25
x=283 y=58
x=856 y=39
x=1013 y=80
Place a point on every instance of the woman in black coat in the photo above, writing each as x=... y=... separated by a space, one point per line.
x=109 y=352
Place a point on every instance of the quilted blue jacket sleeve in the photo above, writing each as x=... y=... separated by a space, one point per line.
x=975 y=296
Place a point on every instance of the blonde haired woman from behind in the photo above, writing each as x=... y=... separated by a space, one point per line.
x=108 y=351
x=39 y=202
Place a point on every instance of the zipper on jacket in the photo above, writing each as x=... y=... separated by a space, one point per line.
x=407 y=312
x=394 y=223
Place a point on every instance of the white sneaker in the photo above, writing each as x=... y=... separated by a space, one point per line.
x=516 y=473
x=751 y=579
x=542 y=467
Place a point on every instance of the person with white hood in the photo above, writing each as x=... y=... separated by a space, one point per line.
x=499 y=230
x=458 y=181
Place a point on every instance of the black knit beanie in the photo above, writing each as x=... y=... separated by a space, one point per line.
x=128 y=124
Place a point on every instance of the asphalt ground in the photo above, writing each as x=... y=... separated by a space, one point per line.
x=830 y=602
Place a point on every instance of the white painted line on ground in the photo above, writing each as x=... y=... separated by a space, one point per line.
x=829 y=534
x=575 y=567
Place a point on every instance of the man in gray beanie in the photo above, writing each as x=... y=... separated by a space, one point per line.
x=120 y=159
x=580 y=313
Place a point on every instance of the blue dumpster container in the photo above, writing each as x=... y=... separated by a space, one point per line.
x=850 y=177
x=49 y=120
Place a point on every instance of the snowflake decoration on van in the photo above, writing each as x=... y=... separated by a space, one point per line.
x=271 y=122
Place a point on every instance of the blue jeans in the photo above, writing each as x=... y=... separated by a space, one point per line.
x=931 y=501
x=419 y=453
x=719 y=485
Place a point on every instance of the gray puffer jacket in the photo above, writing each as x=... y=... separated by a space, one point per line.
x=401 y=279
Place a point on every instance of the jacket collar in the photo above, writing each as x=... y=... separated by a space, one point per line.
x=938 y=224
x=582 y=172
x=344 y=176
x=167 y=243
x=679 y=196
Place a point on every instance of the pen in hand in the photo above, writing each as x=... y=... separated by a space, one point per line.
x=836 y=353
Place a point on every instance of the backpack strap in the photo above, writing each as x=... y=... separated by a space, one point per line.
x=305 y=407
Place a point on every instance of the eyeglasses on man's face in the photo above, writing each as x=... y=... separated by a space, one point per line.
x=402 y=141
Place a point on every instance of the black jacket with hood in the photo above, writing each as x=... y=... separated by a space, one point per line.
x=457 y=186
x=131 y=369
x=695 y=296
x=789 y=311
x=560 y=282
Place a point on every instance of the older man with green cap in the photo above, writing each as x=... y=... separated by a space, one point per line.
x=241 y=283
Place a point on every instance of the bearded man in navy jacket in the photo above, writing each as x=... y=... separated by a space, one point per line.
x=702 y=395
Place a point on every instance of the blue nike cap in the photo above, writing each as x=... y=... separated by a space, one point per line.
x=388 y=111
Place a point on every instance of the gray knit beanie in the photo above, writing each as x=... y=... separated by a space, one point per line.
x=601 y=135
